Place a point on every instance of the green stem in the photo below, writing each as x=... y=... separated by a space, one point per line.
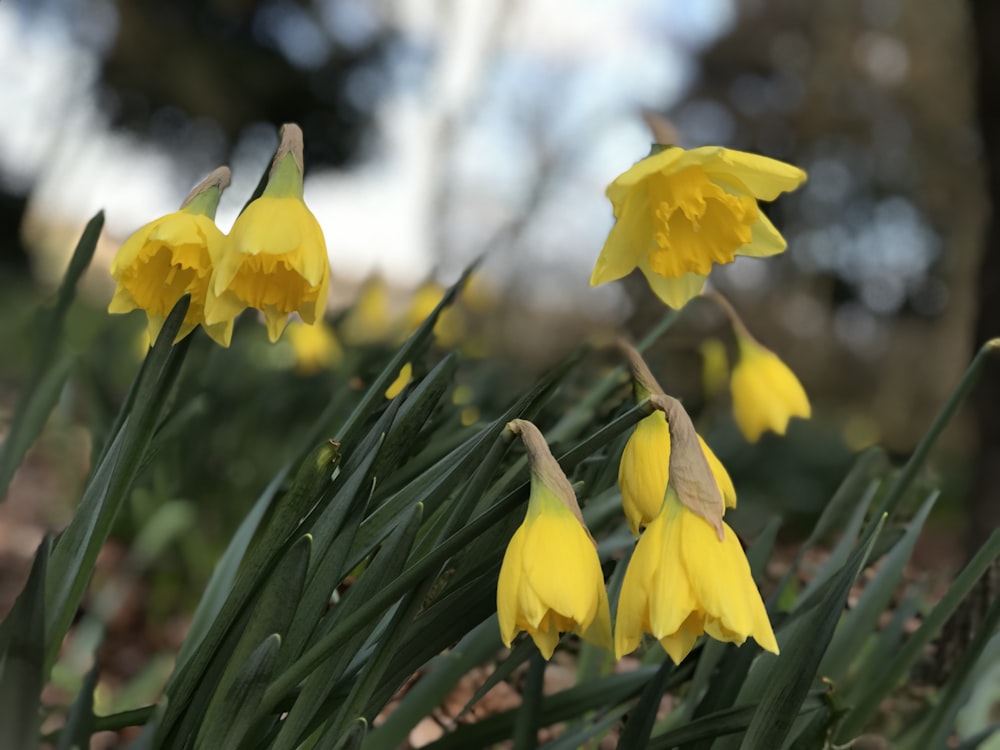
x=894 y=495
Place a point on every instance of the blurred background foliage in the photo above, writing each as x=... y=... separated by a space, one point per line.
x=436 y=131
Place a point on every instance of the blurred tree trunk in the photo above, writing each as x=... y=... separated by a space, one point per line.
x=984 y=508
x=984 y=502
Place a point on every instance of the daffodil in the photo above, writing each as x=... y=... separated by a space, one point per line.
x=644 y=471
x=170 y=257
x=649 y=457
x=450 y=327
x=274 y=259
x=551 y=580
x=766 y=394
x=683 y=581
x=714 y=368
x=315 y=347
x=680 y=212
x=370 y=319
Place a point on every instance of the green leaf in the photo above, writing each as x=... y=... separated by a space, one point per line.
x=435 y=685
x=417 y=407
x=897 y=490
x=49 y=369
x=319 y=683
x=840 y=553
x=862 y=620
x=568 y=704
x=272 y=614
x=871 y=696
x=80 y=722
x=22 y=654
x=574 y=739
x=225 y=728
x=310 y=480
x=935 y=727
x=352 y=739
x=525 y=733
x=708 y=727
x=784 y=681
x=221 y=582
x=635 y=735
x=75 y=551
x=857 y=481
x=414 y=347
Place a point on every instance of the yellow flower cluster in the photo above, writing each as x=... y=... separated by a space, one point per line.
x=273 y=260
x=688 y=575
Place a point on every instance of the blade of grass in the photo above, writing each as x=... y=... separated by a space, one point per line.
x=897 y=490
x=22 y=636
x=871 y=696
x=49 y=370
x=789 y=677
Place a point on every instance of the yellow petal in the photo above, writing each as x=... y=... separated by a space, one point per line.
x=722 y=478
x=627 y=241
x=658 y=163
x=766 y=240
x=722 y=584
x=674 y=292
x=644 y=470
x=509 y=586
x=766 y=178
x=766 y=393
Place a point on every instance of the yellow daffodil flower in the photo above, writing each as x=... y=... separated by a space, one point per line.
x=648 y=457
x=170 y=257
x=450 y=327
x=714 y=368
x=551 y=580
x=644 y=471
x=370 y=319
x=682 y=581
x=274 y=259
x=315 y=347
x=680 y=212
x=401 y=381
x=766 y=394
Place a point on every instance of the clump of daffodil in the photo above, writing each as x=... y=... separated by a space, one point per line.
x=170 y=257
x=551 y=580
x=684 y=580
x=680 y=212
x=315 y=347
x=648 y=459
x=766 y=393
x=274 y=258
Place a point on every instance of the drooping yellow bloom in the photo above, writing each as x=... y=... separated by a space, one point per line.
x=680 y=212
x=682 y=581
x=714 y=367
x=401 y=381
x=274 y=259
x=551 y=580
x=170 y=257
x=644 y=471
x=766 y=393
x=315 y=347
